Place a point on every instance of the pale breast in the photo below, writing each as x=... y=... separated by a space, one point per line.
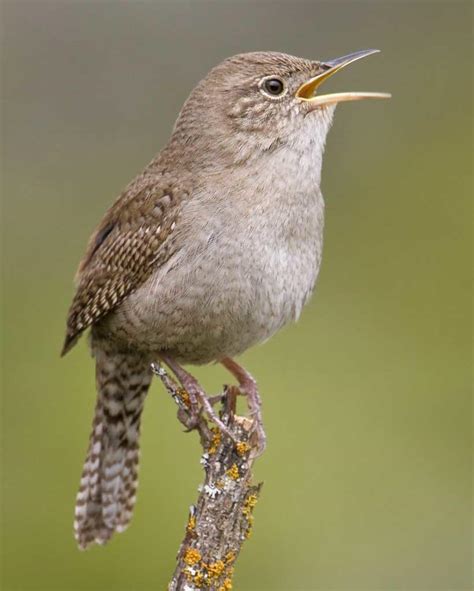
x=234 y=284
x=249 y=252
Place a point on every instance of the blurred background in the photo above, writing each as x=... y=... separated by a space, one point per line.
x=366 y=400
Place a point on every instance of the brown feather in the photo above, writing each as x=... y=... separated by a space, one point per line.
x=128 y=244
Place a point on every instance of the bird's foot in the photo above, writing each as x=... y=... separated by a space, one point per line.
x=217 y=399
x=248 y=387
x=189 y=412
x=197 y=397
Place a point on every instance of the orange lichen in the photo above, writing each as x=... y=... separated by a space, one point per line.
x=226 y=585
x=198 y=578
x=215 y=441
x=188 y=574
x=215 y=569
x=192 y=556
x=191 y=523
x=233 y=472
x=248 y=532
x=242 y=447
x=184 y=397
x=247 y=510
x=250 y=502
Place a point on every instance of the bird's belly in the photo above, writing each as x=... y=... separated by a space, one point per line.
x=214 y=307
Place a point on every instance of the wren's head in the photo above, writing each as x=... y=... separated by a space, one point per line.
x=256 y=103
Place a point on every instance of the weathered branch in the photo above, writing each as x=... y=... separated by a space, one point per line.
x=221 y=520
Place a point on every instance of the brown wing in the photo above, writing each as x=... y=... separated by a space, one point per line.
x=129 y=243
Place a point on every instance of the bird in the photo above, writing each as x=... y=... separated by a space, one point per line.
x=211 y=249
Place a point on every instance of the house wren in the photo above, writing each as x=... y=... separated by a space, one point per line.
x=213 y=248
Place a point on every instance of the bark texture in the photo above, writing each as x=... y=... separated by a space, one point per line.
x=222 y=518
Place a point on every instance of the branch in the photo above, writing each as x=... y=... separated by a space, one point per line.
x=221 y=520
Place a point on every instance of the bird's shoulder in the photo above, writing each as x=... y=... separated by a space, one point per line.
x=133 y=238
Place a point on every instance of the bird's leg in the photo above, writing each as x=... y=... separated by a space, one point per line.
x=213 y=400
x=189 y=412
x=196 y=394
x=248 y=386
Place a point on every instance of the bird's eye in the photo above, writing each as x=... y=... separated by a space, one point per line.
x=273 y=86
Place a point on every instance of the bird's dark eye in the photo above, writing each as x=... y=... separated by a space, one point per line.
x=274 y=86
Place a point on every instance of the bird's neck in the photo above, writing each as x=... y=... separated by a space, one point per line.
x=288 y=174
x=294 y=151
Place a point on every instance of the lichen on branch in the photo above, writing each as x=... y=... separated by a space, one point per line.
x=222 y=518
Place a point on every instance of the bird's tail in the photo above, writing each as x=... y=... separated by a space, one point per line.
x=109 y=479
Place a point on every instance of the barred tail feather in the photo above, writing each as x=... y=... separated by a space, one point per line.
x=107 y=491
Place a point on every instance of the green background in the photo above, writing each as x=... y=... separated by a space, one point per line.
x=366 y=399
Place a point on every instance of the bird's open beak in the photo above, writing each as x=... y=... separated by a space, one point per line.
x=307 y=91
